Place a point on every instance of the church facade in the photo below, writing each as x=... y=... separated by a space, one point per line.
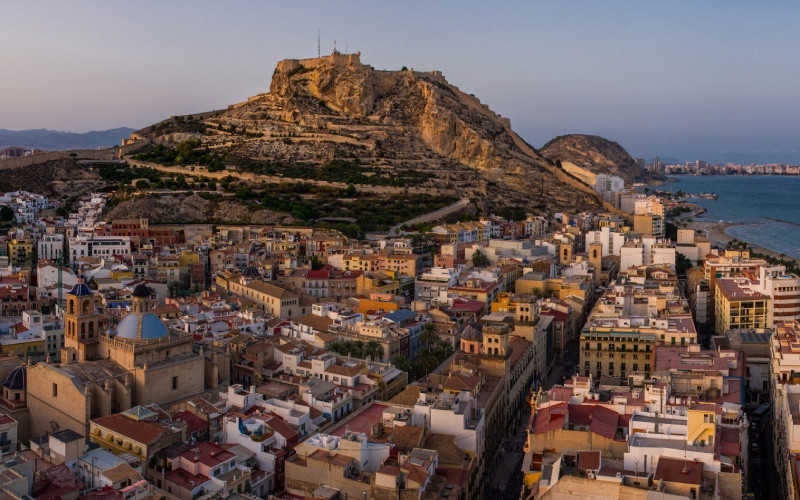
x=105 y=372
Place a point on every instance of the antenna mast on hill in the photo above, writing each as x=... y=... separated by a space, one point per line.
x=318 y=51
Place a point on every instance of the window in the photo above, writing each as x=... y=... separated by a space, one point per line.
x=174 y=383
x=55 y=390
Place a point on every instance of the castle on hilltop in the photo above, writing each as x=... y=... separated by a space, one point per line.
x=336 y=57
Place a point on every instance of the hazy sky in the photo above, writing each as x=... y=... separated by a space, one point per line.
x=682 y=79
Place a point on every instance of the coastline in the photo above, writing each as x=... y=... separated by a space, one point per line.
x=717 y=231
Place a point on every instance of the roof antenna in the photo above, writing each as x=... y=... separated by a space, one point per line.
x=318 y=51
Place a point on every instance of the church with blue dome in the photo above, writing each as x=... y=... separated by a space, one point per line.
x=105 y=369
x=141 y=323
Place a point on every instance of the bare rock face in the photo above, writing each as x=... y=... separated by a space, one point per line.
x=341 y=81
x=593 y=153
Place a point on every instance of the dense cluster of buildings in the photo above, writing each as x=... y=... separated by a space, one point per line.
x=217 y=361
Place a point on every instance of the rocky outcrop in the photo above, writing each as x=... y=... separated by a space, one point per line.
x=593 y=153
x=393 y=122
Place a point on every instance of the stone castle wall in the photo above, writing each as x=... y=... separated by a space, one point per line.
x=287 y=65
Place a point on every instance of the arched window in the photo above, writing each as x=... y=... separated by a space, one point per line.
x=83 y=330
x=85 y=307
x=91 y=328
x=72 y=306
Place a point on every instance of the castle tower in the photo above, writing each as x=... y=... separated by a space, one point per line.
x=81 y=324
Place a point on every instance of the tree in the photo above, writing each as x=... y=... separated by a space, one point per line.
x=357 y=350
x=682 y=264
x=429 y=335
x=347 y=348
x=401 y=362
x=315 y=263
x=337 y=346
x=374 y=349
x=6 y=214
x=142 y=184
x=428 y=362
x=479 y=259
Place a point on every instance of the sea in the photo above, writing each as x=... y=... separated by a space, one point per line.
x=767 y=205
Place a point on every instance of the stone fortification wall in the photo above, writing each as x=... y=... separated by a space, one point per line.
x=82 y=154
x=114 y=153
x=287 y=65
x=586 y=176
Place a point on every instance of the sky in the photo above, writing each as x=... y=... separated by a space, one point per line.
x=714 y=80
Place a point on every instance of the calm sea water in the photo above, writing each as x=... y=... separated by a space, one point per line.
x=751 y=199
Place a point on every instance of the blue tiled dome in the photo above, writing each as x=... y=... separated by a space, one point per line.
x=80 y=287
x=141 y=326
x=17 y=380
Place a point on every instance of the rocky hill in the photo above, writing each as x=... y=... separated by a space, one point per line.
x=592 y=153
x=335 y=120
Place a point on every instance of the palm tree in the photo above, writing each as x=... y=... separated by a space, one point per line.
x=429 y=335
x=428 y=362
x=401 y=362
x=357 y=350
x=374 y=349
x=444 y=349
x=338 y=347
x=347 y=348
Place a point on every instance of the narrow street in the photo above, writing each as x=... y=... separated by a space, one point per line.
x=506 y=480
x=761 y=466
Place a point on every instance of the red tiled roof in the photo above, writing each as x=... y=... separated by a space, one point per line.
x=580 y=414
x=363 y=420
x=604 y=422
x=468 y=305
x=185 y=479
x=208 y=454
x=193 y=422
x=550 y=418
x=57 y=481
x=679 y=471
x=728 y=442
x=282 y=428
x=136 y=430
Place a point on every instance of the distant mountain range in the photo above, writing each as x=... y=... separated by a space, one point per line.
x=50 y=140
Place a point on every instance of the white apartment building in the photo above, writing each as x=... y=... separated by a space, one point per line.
x=429 y=285
x=457 y=415
x=607 y=185
x=647 y=251
x=611 y=241
x=51 y=246
x=98 y=246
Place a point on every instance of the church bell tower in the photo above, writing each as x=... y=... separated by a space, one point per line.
x=81 y=324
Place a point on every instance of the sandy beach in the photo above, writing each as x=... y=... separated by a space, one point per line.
x=716 y=231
